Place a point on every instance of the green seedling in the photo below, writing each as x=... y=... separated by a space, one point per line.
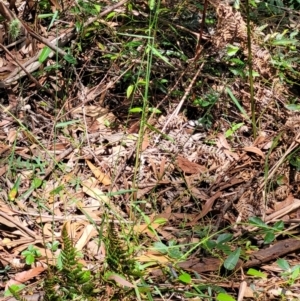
x=234 y=127
x=31 y=254
x=14 y=191
x=13 y=290
x=172 y=250
x=291 y=274
x=268 y=232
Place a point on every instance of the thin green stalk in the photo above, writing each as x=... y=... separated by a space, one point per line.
x=153 y=19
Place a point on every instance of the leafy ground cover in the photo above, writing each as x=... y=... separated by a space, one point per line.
x=149 y=150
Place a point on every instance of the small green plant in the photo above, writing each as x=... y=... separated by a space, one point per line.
x=14 y=29
x=256 y=273
x=234 y=127
x=172 y=249
x=31 y=254
x=207 y=100
x=72 y=279
x=295 y=161
x=232 y=260
x=291 y=274
x=267 y=231
x=14 y=290
x=53 y=246
x=5 y=270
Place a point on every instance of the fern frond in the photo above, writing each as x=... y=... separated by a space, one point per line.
x=49 y=287
x=69 y=253
x=118 y=258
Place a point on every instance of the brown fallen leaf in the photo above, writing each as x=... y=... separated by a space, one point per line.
x=87 y=234
x=189 y=167
x=100 y=176
x=206 y=208
x=280 y=205
x=255 y=150
x=145 y=142
x=25 y=276
x=120 y=280
x=223 y=145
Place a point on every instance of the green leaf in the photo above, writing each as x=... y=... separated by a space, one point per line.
x=97 y=7
x=151 y=4
x=14 y=191
x=269 y=237
x=233 y=129
x=224 y=297
x=237 y=72
x=154 y=110
x=160 y=221
x=285 y=42
x=236 y=102
x=159 y=55
x=225 y=237
x=111 y=15
x=70 y=59
x=258 y=222
x=57 y=190
x=29 y=259
x=66 y=123
x=174 y=252
x=210 y=244
x=295 y=273
x=160 y=247
x=53 y=19
x=256 y=273
x=136 y=110
x=283 y=264
x=13 y=288
x=232 y=259
x=84 y=277
x=37 y=183
x=232 y=50
x=224 y=247
x=44 y=54
x=185 y=278
x=43 y=16
x=293 y=107
x=129 y=90
x=279 y=225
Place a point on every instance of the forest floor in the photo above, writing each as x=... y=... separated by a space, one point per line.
x=140 y=160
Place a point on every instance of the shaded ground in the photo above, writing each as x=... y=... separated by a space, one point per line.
x=143 y=149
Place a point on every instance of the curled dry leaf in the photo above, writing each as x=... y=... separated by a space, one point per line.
x=26 y=275
x=255 y=150
x=100 y=176
x=120 y=280
x=89 y=187
x=88 y=233
x=225 y=147
x=145 y=142
x=189 y=167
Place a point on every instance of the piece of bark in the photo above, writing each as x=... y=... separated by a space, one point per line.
x=279 y=249
x=201 y=266
x=257 y=258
